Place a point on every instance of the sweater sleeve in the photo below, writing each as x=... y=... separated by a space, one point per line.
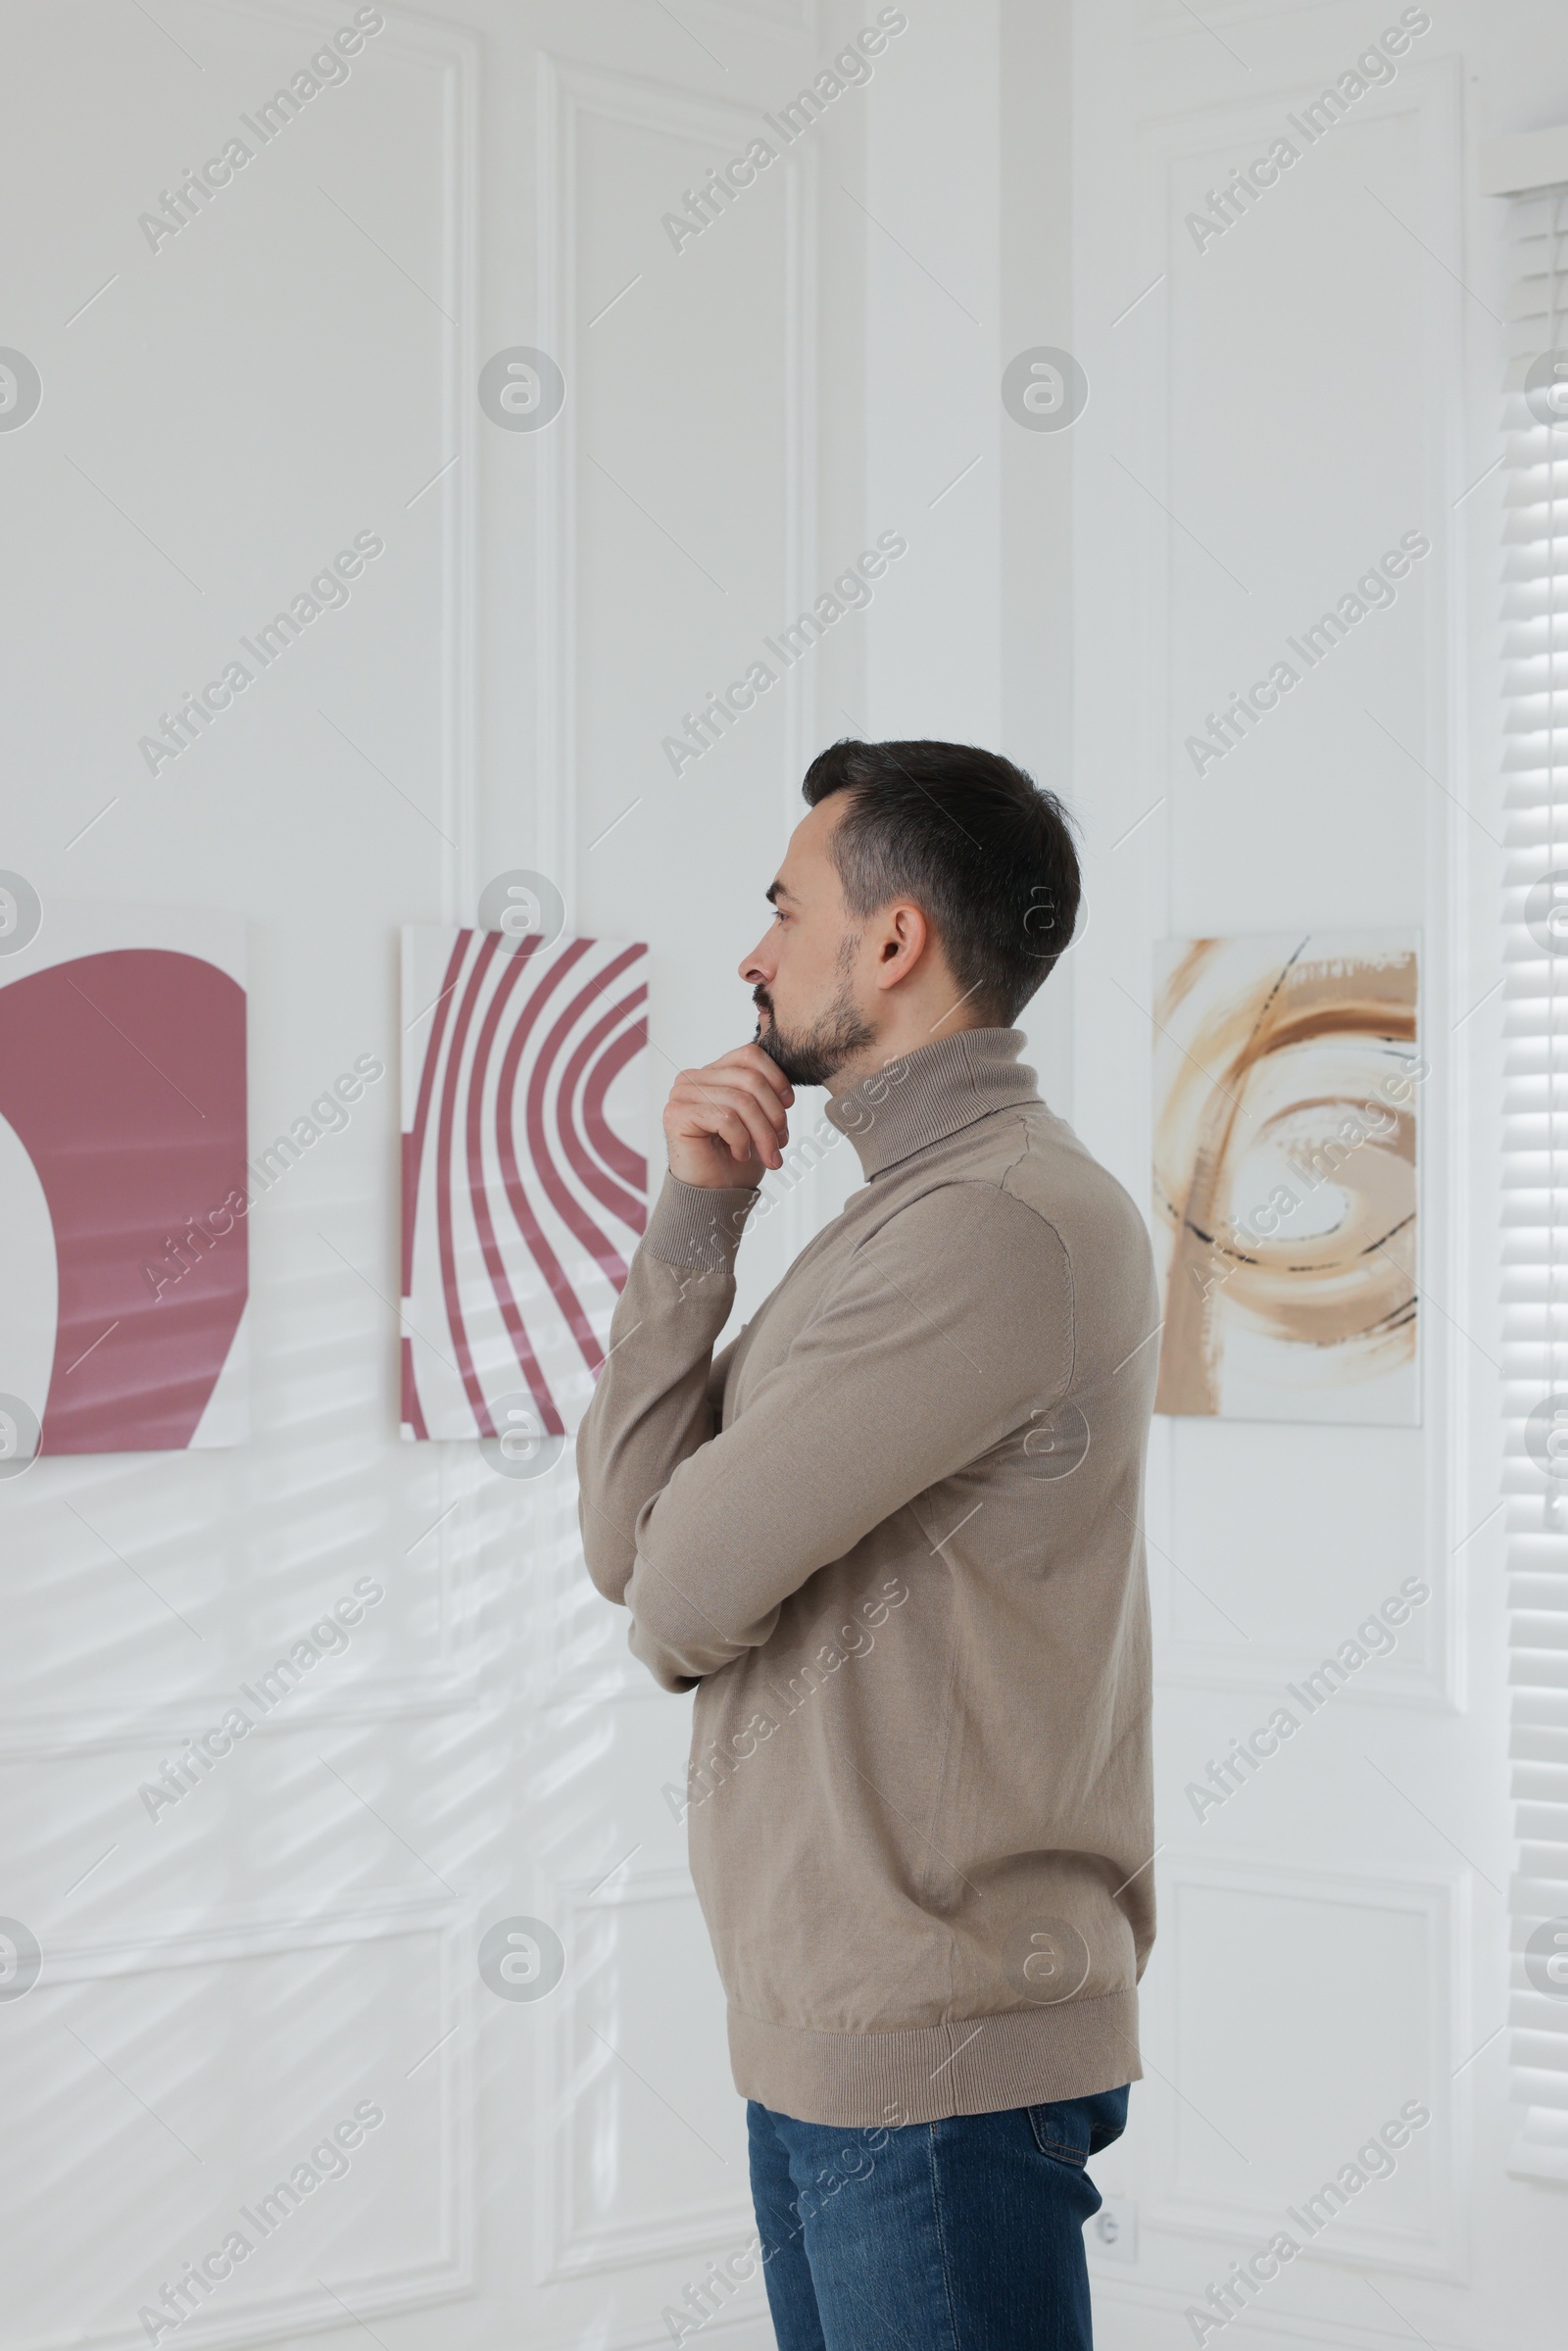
x=658 y=1397
x=944 y=1331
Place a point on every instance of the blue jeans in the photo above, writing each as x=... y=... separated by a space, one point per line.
x=960 y=2236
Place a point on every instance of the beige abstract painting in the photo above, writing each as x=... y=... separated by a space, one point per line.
x=1287 y=1088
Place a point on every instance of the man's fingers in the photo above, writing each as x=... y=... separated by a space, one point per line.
x=746 y=1080
x=762 y=1065
x=741 y=1090
x=748 y=1152
x=738 y=1105
x=704 y=1105
x=745 y=1118
x=746 y=1139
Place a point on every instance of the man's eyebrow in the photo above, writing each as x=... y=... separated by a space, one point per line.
x=777 y=890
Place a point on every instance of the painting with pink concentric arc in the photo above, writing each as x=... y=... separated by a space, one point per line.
x=121 y=1158
x=524 y=1175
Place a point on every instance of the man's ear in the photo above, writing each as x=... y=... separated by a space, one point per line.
x=906 y=935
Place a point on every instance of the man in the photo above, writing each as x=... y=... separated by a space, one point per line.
x=892 y=1538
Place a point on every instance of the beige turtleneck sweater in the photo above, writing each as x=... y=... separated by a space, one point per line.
x=893 y=1537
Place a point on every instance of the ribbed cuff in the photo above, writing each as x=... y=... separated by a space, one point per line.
x=699 y=1228
x=976 y=2065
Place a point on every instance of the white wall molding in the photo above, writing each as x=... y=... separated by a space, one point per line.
x=1440 y=1903
x=234 y=1939
x=228 y=1933
x=570 y=2245
x=568 y=91
x=1168 y=21
x=453 y=56
x=110 y=1729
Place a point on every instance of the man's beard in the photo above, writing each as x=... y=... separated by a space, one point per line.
x=814 y=1056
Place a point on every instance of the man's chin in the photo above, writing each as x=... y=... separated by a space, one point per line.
x=777 y=1050
x=805 y=1061
x=815 y=1055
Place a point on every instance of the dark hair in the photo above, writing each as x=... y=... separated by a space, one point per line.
x=986 y=853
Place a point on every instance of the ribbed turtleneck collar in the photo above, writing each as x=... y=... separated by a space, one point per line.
x=931 y=1092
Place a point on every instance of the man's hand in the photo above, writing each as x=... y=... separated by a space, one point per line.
x=725 y=1125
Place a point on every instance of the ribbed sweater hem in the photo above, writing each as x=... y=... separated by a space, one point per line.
x=974 y=2065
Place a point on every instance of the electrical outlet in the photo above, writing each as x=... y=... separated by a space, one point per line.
x=1113 y=2231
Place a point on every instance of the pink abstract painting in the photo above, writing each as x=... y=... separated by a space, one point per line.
x=122 y=1137
x=524 y=1179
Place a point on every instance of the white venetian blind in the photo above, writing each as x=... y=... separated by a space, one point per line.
x=1536 y=1166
